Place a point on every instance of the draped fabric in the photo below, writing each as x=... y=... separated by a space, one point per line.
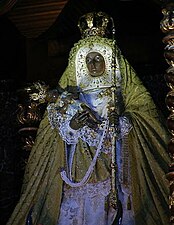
x=147 y=145
x=147 y=140
x=42 y=185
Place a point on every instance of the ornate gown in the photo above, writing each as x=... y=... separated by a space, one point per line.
x=87 y=201
x=60 y=154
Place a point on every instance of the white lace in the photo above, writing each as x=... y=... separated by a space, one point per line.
x=91 y=167
x=86 y=205
x=125 y=126
x=90 y=189
x=69 y=135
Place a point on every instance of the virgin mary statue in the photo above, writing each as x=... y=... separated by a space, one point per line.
x=100 y=152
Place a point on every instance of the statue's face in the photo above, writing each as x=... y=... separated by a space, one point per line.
x=95 y=64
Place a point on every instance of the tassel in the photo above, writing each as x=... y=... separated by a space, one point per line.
x=129 y=203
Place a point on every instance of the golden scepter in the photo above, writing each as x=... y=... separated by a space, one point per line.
x=114 y=128
x=113 y=195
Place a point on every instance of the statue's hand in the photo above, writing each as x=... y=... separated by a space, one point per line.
x=84 y=117
x=79 y=120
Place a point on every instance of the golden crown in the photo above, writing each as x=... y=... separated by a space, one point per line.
x=96 y=24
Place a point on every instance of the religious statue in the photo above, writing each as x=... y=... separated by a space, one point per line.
x=100 y=152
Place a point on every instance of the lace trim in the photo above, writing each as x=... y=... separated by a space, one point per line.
x=125 y=126
x=90 y=189
x=61 y=121
x=92 y=165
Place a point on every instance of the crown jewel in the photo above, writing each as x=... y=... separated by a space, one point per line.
x=96 y=24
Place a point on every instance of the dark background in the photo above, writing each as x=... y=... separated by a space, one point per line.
x=26 y=58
